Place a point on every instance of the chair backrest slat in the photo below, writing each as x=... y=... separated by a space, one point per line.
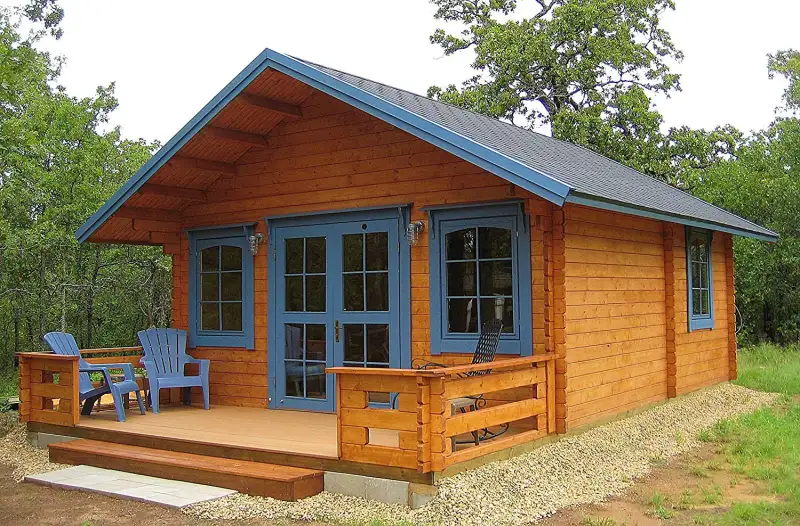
x=486 y=349
x=64 y=344
x=166 y=348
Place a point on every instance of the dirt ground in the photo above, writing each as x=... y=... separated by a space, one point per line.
x=696 y=488
x=693 y=489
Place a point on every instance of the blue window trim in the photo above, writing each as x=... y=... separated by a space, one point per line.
x=705 y=321
x=441 y=220
x=235 y=235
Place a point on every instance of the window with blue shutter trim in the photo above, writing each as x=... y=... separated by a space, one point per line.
x=699 y=280
x=480 y=269
x=221 y=288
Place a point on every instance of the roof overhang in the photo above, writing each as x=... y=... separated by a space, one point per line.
x=617 y=206
x=487 y=158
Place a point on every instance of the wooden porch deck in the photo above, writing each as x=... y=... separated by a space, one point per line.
x=295 y=432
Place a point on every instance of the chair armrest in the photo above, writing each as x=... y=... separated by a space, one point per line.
x=127 y=368
x=205 y=364
x=98 y=369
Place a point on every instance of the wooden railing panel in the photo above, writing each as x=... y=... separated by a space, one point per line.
x=42 y=398
x=518 y=390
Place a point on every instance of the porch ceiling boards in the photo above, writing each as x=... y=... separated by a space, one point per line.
x=242 y=126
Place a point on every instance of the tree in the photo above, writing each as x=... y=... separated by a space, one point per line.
x=56 y=168
x=586 y=67
x=762 y=182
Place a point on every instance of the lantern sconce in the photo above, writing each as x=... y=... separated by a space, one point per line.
x=254 y=242
x=413 y=231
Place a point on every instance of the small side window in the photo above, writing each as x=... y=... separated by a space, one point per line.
x=700 y=286
x=221 y=289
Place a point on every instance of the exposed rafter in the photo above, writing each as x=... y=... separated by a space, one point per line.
x=189 y=194
x=150 y=214
x=227 y=134
x=270 y=104
x=181 y=161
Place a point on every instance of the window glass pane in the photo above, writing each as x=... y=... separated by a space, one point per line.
x=209 y=316
x=293 y=334
x=315 y=255
x=496 y=278
x=494 y=242
x=461 y=244
x=461 y=279
x=209 y=259
x=315 y=380
x=498 y=309
x=294 y=256
x=353 y=299
x=231 y=286
x=353 y=342
x=377 y=250
x=232 y=316
x=294 y=293
x=696 y=274
x=231 y=258
x=696 y=299
x=378 y=291
x=704 y=302
x=462 y=315
x=209 y=288
x=353 y=252
x=315 y=293
x=378 y=343
x=295 y=384
x=316 y=344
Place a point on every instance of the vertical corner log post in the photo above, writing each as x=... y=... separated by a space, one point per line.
x=730 y=286
x=669 y=307
x=440 y=410
x=559 y=320
x=423 y=425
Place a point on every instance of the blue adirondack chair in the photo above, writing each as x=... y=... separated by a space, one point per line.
x=164 y=360
x=64 y=344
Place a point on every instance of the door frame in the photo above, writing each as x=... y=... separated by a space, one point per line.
x=401 y=213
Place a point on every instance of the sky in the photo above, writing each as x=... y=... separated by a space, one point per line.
x=168 y=58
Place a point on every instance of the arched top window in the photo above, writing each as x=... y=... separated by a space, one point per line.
x=221 y=288
x=480 y=270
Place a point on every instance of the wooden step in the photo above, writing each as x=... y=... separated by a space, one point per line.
x=254 y=478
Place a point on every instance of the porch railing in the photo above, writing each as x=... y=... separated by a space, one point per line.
x=49 y=384
x=518 y=392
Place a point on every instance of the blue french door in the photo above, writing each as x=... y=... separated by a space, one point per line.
x=337 y=300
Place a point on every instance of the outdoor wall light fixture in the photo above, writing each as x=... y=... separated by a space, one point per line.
x=413 y=231
x=254 y=242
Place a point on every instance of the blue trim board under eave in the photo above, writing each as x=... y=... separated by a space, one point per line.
x=513 y=171
x=663 y=216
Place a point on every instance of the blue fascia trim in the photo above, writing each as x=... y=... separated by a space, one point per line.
x=208 y=112
x=582 y=199
x=699 y=322
x=513 y=171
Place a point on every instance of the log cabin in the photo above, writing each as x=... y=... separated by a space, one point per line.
x=329 y=233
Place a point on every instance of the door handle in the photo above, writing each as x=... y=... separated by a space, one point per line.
x=336 y=329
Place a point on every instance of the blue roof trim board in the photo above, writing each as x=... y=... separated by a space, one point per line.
x=554 y=170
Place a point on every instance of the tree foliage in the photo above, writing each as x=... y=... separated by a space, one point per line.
x=57 y=166
x=586 y=67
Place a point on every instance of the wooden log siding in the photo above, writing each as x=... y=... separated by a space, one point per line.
x=422 y=415
x=49 y=389
x=616 y=356
x=707 y=356
x=338 y=157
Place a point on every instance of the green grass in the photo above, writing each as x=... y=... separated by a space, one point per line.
x=770 y=368
x=764 y=446
x=8 y=385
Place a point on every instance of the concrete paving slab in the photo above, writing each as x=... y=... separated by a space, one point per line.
x=170 y=493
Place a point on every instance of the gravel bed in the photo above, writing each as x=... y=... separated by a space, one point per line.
x=581 y=469
x=15 y=451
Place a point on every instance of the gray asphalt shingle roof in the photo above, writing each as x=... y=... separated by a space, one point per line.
x=586 y=172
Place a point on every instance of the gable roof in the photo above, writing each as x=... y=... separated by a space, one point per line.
x=554 y=170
